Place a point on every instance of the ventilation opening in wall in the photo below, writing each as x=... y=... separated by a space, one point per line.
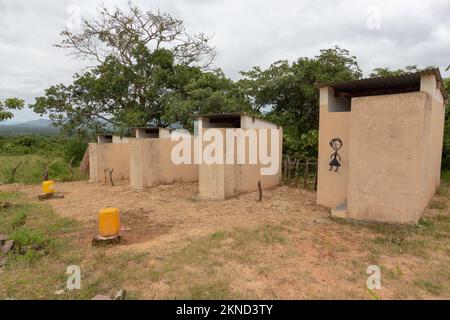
x=146 y=133
x=105 y=139
x=340 y=104
x=224 y=121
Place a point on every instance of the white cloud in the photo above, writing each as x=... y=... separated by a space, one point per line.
x=246 y=33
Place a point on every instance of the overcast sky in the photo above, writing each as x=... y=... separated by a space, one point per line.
x=245 y=32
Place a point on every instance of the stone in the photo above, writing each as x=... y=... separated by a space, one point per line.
x=59 y=292
x=120 y=295
x=7 y=246
x=3 y=238
x=101 y=297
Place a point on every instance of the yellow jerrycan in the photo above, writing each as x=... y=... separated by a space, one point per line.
x=48 y=187
x=109 y=222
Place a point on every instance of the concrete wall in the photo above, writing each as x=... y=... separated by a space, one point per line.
x=391 y=154
x=117 y=139
x=221 y=181
x=388 y=154
x=248 y=122
x=435 y=118
x=111 y=156
x=151 y=164
x=151 y=133
x=332 y=186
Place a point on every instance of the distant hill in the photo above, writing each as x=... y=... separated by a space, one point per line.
x=39 y=126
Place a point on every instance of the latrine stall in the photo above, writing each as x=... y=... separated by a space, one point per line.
x=151 y=162
x=110 y=152
x=244 y=138
x=380 y=146
x=144 y=160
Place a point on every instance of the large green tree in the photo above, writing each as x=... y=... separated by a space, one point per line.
x=210 y=92
x=145 y=63
x=384 y=72
x=287 y=94
x=8 y=105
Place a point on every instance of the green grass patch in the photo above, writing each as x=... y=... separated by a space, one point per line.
x=36 y=266
x=429 y=286
x=445 y=175
x=18 y=219
x=436 y=203
x=31 y=170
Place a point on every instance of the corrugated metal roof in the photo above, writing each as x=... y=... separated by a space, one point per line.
x=407 y=82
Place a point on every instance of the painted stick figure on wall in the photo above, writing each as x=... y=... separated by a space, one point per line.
x=336 y=159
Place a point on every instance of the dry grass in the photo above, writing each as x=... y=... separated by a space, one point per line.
x=282 y=248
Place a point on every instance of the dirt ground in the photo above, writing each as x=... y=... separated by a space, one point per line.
x=284 y=247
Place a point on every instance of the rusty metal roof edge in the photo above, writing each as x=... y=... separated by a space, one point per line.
x=405 y=76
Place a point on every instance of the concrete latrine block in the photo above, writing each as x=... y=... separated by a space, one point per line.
x=151 y=162
x=236 y=166
x=110 y=152
x=380 y=146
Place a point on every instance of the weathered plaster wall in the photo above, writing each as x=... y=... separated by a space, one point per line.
x=389 y=157
x=151 y=164
x=112 y=156
x=221 y=181
x=333 y=123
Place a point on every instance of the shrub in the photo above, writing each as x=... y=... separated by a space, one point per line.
x=74 y=148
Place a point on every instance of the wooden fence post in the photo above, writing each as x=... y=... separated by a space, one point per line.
x=315 y=179
x=306 y=173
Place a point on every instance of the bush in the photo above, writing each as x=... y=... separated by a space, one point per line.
x=304 y=147
x=74 y=148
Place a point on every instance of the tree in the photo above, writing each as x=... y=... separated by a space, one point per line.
x=116 y=33
x=143 y=59
x=8 y=105
x=287 y=93
x=210 y=92
x=385 y=72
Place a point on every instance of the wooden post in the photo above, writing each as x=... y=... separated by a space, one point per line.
x=259 y=191
x=110 y=177
x=45 y=177
x=315 y=180
x=13 y=171
x=289 y=172
x=306 y=173
x=286 y=170
x=71 y=168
